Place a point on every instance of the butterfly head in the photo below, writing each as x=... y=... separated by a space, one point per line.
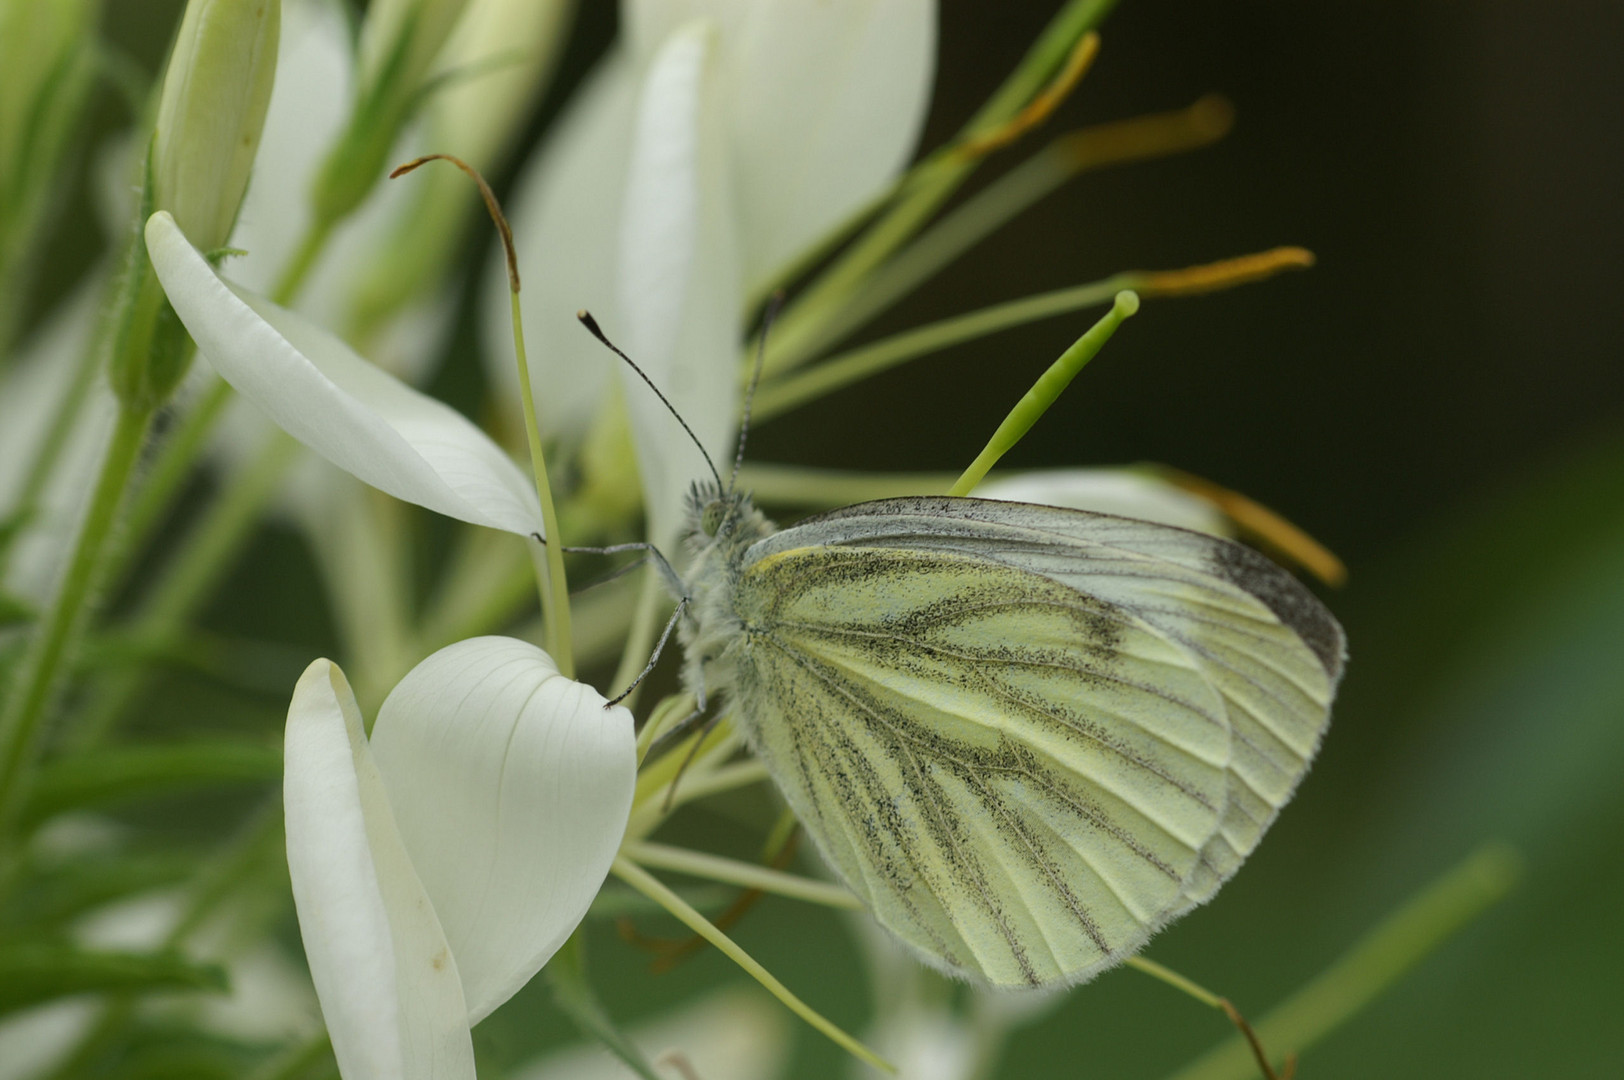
x=725 y=520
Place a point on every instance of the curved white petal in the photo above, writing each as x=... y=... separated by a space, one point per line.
x=348 y=411
x=511 y=786
x=565 y=220
x=1123 y=492
x=678 y=282
x=825 y=102
x=386 y=979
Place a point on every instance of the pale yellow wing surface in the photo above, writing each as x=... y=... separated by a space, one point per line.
x=1265 y=652
x=1018 y=779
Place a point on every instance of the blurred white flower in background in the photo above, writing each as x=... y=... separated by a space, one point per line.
x=716 y=141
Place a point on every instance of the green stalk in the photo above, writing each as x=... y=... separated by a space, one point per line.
x=35 y=688
x=733 y=872
x=786 y=393
x=555 y=598
x=1037 y=400
x=1401 y=941
x=170 y=468
x=655 y=890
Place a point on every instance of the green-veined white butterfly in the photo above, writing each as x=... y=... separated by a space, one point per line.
x=1025 y=737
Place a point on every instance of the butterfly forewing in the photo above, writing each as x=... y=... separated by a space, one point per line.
x=1018 y=778
x=1028 y=736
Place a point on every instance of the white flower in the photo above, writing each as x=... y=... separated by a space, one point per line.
x=719 y=139
x=439 y=866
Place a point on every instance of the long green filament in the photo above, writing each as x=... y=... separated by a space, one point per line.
x=932 y=182
x=1361 y=974
x=555 y=590
x=985 y=212
x=733 y=872
x=858 y=364
x=651 y=887
x=1044 y=392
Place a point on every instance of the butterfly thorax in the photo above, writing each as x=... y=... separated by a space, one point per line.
x=721 y=528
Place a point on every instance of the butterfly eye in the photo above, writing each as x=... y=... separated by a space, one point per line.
x=711 y=519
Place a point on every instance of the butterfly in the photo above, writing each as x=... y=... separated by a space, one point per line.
x=1025 y=737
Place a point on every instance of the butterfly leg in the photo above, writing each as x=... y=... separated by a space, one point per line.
x=659 y=647
x=672 y=580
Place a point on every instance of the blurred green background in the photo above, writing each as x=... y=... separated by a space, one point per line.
x=1440 y=401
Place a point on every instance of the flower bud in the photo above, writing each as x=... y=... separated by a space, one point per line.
x=210 y=114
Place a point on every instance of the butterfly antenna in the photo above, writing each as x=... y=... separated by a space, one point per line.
x=773 y=305
x=592 y=325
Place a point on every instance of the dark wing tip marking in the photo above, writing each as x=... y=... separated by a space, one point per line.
x=1288 y=598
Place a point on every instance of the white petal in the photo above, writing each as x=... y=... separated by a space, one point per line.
x=678 y=284
x=386 y=979
x=511 y=787
x=348 y=411
x=825 y=103
x=565 y=220
x=1122 y=492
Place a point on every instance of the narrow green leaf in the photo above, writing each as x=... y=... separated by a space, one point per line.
x=32 y=973
x=566 y=974
x=52 y=896
x=100 y=777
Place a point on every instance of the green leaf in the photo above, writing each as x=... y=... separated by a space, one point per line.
x=566 y=974
x=118 y=774
x=32 y=973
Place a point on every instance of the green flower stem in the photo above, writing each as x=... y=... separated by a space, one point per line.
x=203 y=556
x=1062 y=160
x=34 y=689
x=171 y=467
x=930 y=185
x=734 y=872
x=651 y=887
x=303 y=261
x=1044 y=392
x=784 y=394
x=1401 y=941
x=555 y=590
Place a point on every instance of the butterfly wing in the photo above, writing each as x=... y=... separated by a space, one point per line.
x=1028 y=737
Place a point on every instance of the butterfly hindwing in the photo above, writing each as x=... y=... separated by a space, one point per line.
x=994 y=717
x=1017 y=778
